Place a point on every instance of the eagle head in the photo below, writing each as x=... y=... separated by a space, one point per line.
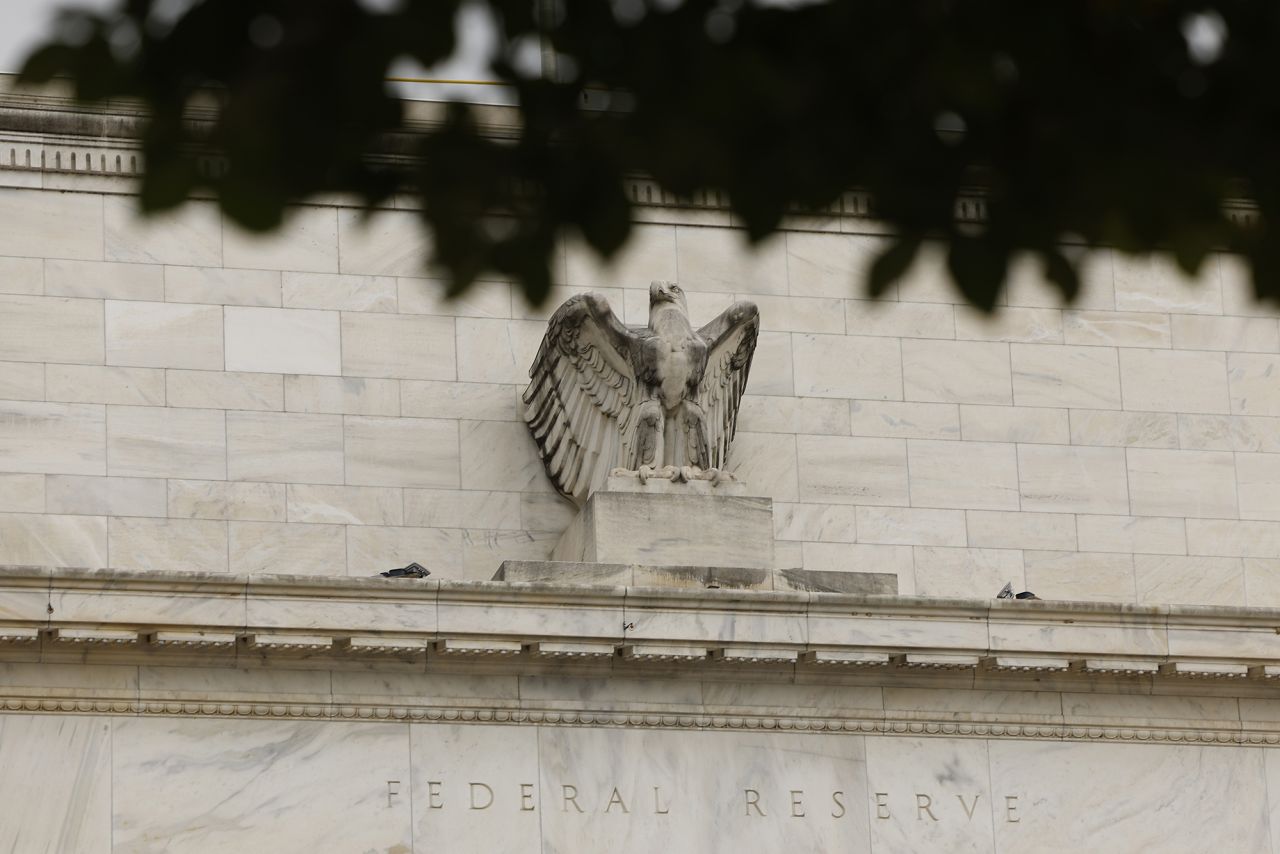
x=660 y=292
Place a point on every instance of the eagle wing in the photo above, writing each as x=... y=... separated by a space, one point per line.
x=581 y=394
x=731 y=341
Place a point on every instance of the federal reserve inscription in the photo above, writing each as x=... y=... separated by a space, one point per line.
x=761 y=801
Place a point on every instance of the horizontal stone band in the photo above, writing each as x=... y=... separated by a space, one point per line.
x=581 y=626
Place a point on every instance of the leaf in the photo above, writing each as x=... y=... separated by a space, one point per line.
x=978 y=265
x=1059 y=270
x=891 y=264
x=46 y=63
x=775 y=107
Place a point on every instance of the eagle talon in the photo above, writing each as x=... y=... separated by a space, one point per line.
x=646 y=472
x=688 y=474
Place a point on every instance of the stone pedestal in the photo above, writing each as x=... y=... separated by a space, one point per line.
x=670 y=528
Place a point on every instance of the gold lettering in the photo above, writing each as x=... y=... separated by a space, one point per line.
x=658 y=809
x=616 y=798
x=797 y=808
x=835 y=797
x=488 y=793
x=753 y=800
x=882 y=804
x=923 y=803
x=1011 y=809
x=969 y=808
x=433 y=795
x=393 y=791
x=570 y=794
x=526 y=797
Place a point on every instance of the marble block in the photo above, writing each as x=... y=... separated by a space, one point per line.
x=56 y=784
x=635 y=792
x=832 y=581
x=228 y=785
x=710 y=577
x=681 y=530
x=627 y=575
x=1128 y=797
x=625 y=482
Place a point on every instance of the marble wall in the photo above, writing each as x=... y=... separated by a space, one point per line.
x=94 y=784
x=179 y=395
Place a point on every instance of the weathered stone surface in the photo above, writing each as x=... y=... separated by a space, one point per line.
x=682 y=530
x=694 y=577
x=821 y=581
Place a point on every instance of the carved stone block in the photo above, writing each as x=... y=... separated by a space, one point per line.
x=680 y=530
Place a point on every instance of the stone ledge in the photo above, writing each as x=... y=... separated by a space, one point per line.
x=61 y=615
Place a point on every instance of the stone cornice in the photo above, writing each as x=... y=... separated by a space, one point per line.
x=57 y=612
x=236 y=637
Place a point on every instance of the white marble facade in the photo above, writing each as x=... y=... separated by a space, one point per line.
x=175 y=394
x=176 y=785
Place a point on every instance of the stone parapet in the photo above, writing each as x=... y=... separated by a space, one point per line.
x=56 y=615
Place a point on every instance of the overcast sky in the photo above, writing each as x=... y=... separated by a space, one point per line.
x=25 y=23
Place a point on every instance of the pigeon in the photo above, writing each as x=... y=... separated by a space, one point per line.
x=1006 y=592
x=413 y=570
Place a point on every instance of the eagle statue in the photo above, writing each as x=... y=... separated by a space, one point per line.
x=655 y=401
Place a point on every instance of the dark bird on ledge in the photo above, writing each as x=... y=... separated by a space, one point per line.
x=1006 y=592
x=413 y=570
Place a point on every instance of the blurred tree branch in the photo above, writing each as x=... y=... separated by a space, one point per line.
x=1129 y=123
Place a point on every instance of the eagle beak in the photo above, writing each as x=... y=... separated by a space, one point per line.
x=661 y=292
